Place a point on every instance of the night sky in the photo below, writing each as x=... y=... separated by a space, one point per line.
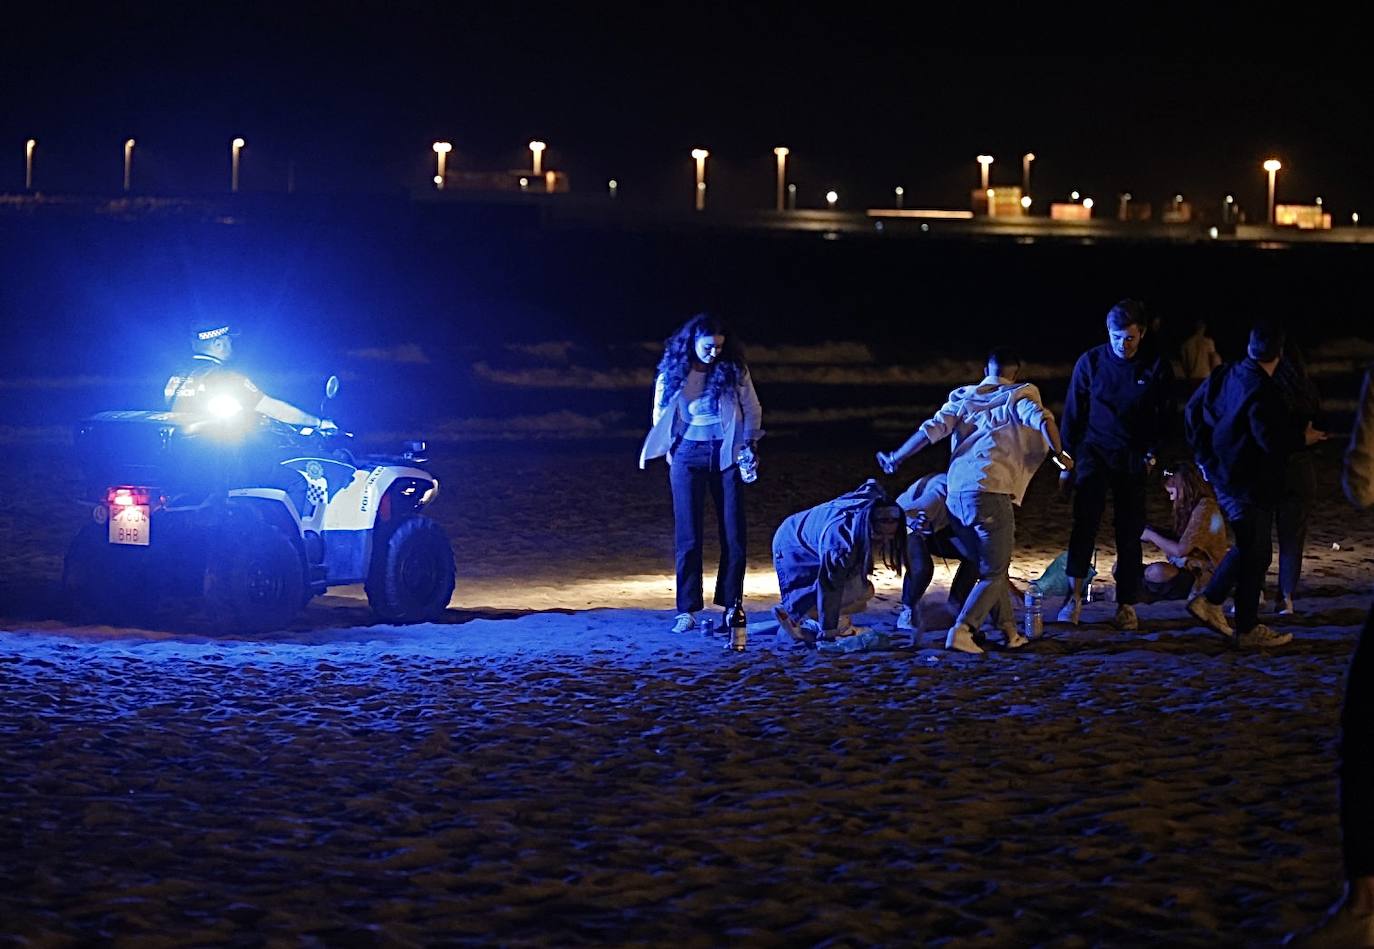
x=1110 y=100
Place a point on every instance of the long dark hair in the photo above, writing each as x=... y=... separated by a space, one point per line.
x=893 y=554
x=678 y=355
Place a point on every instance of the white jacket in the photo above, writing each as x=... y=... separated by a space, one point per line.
x=740 y=418
x=995 y=440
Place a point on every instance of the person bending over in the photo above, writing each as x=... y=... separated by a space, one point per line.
x=930 y=534
x=824 y=557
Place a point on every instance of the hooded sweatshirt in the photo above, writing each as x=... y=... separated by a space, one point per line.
x=821 y=551
x=994 y=433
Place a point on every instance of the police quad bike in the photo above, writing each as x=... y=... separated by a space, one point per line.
x=251 y=517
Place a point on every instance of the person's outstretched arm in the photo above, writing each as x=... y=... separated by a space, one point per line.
x=288 y=413
x=933 y=429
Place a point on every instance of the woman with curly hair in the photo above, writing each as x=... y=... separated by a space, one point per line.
x=1197 y=542
x=706 y=420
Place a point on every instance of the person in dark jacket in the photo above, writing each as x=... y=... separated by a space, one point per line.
x=1303 y=403
x=824 y=555
x=1116 y=413
x=1240 y=432
x=930 y=533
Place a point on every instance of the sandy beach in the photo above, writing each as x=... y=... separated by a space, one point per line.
x=550 y=765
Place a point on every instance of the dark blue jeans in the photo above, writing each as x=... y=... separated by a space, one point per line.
x=695 y=469
x=1089 y=501
x=921 y=551
x=1244 y=566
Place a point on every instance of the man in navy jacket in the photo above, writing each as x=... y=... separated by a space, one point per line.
x=1116 y=413
x=1238 y=425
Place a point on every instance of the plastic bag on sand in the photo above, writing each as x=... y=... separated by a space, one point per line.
x=1055 y=580
x=867 y=641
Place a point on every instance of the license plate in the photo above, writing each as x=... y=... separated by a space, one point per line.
x=130 y=525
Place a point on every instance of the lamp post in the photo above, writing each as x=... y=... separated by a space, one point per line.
x=441 y=150
x=1272 y=166
x=1026 y=159
x=984 y=161
x=782 y=154
x=235 y=147
x=791 y=197
x=128 y=165
x=1123 y=206
x=537 y=159
x=831 y=199
x=29 y=146
x=700 y=154
x=900 y=193
x=612 y=187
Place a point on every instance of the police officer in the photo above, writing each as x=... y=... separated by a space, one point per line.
x=208 y=387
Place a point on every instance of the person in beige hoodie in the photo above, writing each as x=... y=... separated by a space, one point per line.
x=999 y=431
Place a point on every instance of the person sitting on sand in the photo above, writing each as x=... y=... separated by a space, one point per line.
x=929 y=533
x=1197 y=542
x=824 y=556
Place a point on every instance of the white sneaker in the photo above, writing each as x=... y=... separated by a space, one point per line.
x=1211 y=615
x=960 y=639
x=1261 y=636
x=1284 y=606
x=1014 y=636
x=1070 y=611
x=684 y=622
x=1125 y=617
x=906 y=619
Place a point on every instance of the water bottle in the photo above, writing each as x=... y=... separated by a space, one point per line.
x=1035 y=612
x=708 y=626
x=738 y=624
x=748 y=463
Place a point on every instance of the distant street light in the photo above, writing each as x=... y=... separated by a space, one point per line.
x=831 y=198
x=1088 y=203
x=791 y=197
x=1026 y=159
x=1026 y=202
x=524 y=184
x=701 y=154
x=989 y=194
x=441 y=150
x=1355 y=218
x=128 y=165
x=781 y=152
x=537 y=160
x=1073 y=195
x=612 y=187
x=1123 y=202
x=983 y=162
x=1272 y=166
x=235 y=147
x=900 y=192
x=29 y=146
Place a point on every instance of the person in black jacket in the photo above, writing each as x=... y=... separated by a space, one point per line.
x=1116 y=413
x=1241 y=434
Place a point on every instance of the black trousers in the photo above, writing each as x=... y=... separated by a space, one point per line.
x=1299 y=486
x=694 y=471
x=1128 y=502
x=921 y=551
x=1244 y=566
x=1357 y=759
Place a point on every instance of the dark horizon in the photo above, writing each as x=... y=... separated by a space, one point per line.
x=354 y=97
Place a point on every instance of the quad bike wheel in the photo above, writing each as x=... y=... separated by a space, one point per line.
x=255 y=581
x=412 y=574
x=102 y=584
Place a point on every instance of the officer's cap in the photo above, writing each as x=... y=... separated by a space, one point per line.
x=202 y=331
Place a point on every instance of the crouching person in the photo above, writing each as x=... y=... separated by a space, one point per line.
x=824 y=556
x=930 y=534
